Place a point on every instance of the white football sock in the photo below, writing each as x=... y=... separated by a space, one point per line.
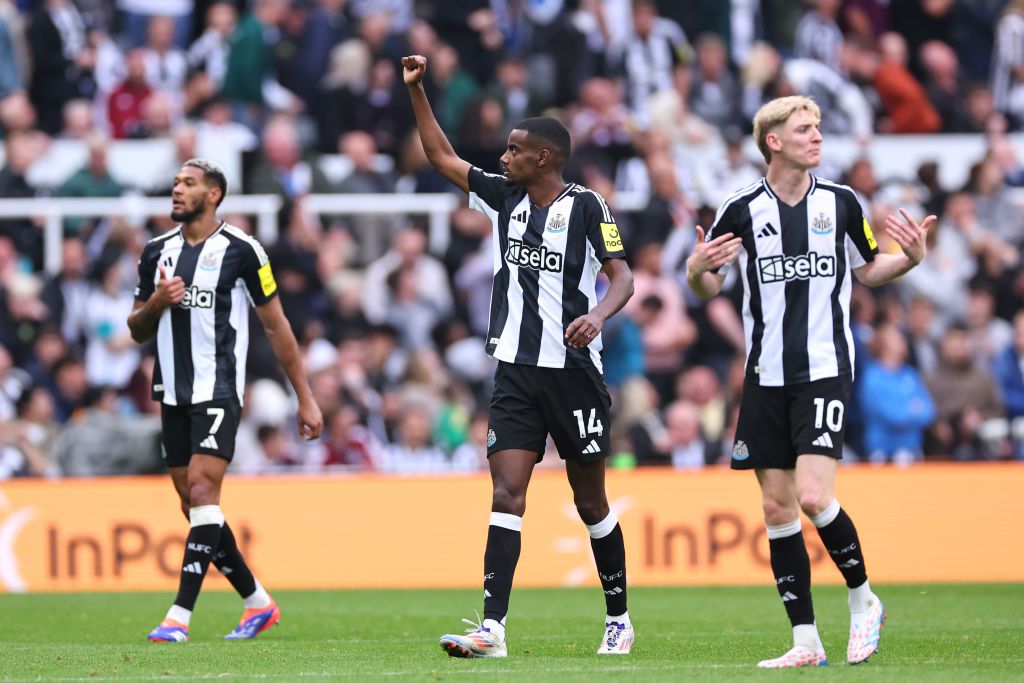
x=807 y=635
x=495 y=627
x=179 y=614
x=260 y=598
x=859 y=597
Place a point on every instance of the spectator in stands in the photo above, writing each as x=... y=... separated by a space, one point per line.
x=19 y=152
x=686 y=446
x=343 y=104
x=639 y=421
x=943 y=278
x=844 y=109
x=700 y=386
x=657 y=45
x=61 y=60
x=989 y=335
x=92 y=180
x=139 y=14
x=159 y=116
x=295 y=268
x=124 y=104
x=905 y=102
x=17 y=115
x=895 y=401
x=413 y=450
x=518 y=97
x=284 y=170
x=11 y=67
x=408 y=251
x=668 y=206
x=714 y=93
x=991 y=203
x=1008 y=370
x=25 y=442
x=967 y=401
x=1007 y=81
x=922 y=334
x=111 y=357
x=166 y=63
x=818 y=36
x=250 y=81
x=657 y=306
x=13 y=383
x=78 y=120
x=216 y=129
x=371 y=232
x=349 y=443
x=669 y=115
x=731 y=170
x=303 y=51
x=454 y=86
x=210 y=50
x=601 y=127
x=944 y=86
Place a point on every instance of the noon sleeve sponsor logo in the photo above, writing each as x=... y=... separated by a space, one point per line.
x=267 y=282
x=870 y=235
x=612 y=237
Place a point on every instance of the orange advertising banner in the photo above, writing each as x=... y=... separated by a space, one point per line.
x=922 y=524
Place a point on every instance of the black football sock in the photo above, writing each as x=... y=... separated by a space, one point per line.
x=504 y=542
x=610 y=556
x=792 y=568
x=840 y=539
x=200 y=547
x=228 y=559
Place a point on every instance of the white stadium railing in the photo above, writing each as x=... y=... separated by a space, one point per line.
x=53 y=211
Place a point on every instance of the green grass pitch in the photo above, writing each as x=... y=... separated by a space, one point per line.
x=934 y=633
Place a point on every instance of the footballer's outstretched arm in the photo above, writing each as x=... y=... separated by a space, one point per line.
x=282 y=340
x=438 y=149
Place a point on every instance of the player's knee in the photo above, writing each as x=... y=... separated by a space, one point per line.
x=813 y=503
x=202 y=491
x=508 y=501
x=592 y=511
x=776 y=512
x=185 y=506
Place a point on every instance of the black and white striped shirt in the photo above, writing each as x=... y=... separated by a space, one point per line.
x=202 y=342
x=546 y=262
x=795 y=265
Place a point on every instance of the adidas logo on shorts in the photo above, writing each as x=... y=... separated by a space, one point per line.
x=824 y=441
x=591 y=448
x=209 y=442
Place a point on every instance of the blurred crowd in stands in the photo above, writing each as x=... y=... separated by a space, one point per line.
x=393 y=334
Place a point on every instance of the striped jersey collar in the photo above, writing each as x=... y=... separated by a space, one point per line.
x=810 y=190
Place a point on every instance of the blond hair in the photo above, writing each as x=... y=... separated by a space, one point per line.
x=776 y=113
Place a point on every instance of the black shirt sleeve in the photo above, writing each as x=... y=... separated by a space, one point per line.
x=486 y=190
x=602 y=231
x=147 y=273
x=256 y=273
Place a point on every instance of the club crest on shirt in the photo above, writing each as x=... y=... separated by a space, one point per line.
x=558 y=223
x=821 y=225
x=209 y=262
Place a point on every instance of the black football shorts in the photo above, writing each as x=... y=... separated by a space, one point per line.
x=776 y=424
x=570 y=404
x=208 y=428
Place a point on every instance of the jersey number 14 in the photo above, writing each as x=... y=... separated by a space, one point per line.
x=593 y=425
